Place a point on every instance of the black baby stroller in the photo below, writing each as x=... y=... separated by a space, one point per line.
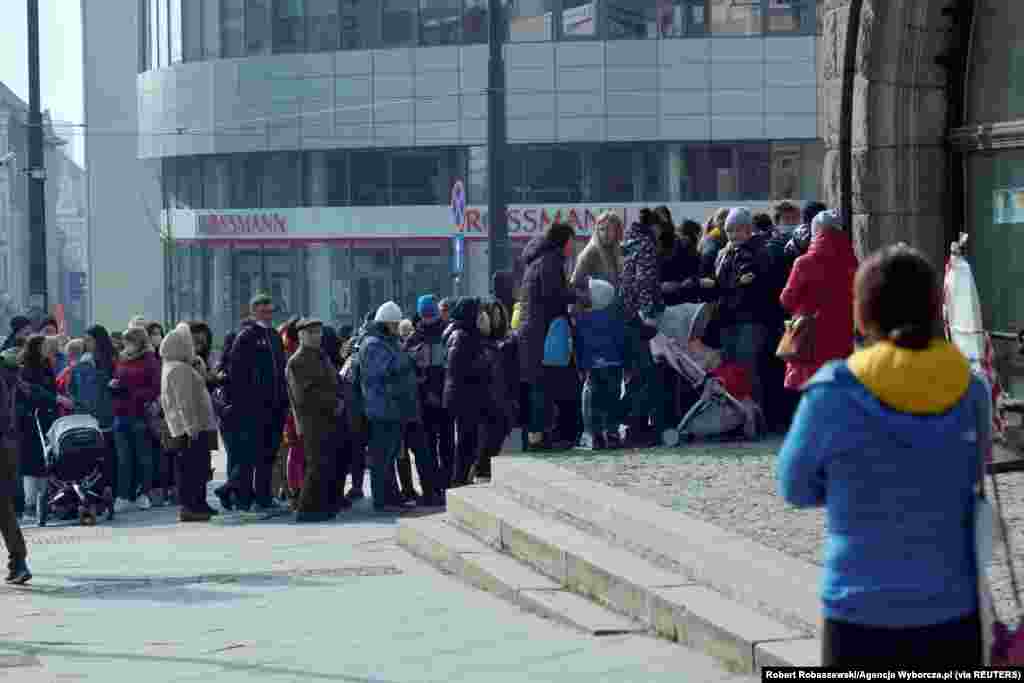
x=74 y=449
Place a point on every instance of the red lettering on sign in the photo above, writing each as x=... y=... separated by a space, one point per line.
x=574 y=220
x=473 y=221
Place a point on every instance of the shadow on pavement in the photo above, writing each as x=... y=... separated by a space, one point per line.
x=43 y=650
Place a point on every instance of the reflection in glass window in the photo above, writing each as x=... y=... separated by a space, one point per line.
x=529 y=20
x=246 y=177
x=326 y=178
x=611 y=173
x=579 y=18
x=475 y=25
x=415 y=178
x=632 y=18
x=476 y=187
x=440 y=21
x=257 y=27
x=791 y=16
x=216 y=182
x=174 y=29
x=161 y=34
x=398 y=22
x=282 y=176
x=651 y=157
x=370 y=184
x=232 y=28
x=682 y=18
x=289 y=27
x=735 y=16
x=192 y=30
x=323 y=25
x=359 y=24
x=552 y=174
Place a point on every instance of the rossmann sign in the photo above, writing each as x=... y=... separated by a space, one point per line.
x=241 y=224
x=532 y=220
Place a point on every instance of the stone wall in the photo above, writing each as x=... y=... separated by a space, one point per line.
x=899 y=162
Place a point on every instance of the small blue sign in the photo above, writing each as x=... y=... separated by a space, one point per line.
x=458 y=254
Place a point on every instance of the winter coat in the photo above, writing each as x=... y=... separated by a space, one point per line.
x=8 y=399
x=140 y=385
x=640 y=284
x=467 y=381
x=387 y=377
x=428 y=351
x=545 y=296
x=799 y=243
x=600 y=339
x=187 y=406
x=257 y=387
x=751 y=303
x=509 y=349
x=598 y=261
x=822 y=283
x=708 y=250
x=679 y=275
x=89 y=387
x=38 y=394
x=313 y=392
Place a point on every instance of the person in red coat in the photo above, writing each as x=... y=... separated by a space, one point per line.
x=821 y=283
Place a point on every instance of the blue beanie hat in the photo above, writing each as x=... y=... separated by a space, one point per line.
x=426 y=306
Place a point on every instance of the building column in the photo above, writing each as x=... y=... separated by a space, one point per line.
x=319 y=283
x=224 y=309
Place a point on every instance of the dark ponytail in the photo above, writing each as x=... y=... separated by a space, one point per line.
x=899 y=298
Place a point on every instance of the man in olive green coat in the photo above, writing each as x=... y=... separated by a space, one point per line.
x=313 y=391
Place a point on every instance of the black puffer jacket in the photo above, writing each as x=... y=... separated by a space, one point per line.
x=427 y=348
x=467 y=382
x=746 y=303
x=257 y=386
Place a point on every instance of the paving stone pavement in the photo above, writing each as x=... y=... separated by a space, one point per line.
x=152 y=600
x=732 y=485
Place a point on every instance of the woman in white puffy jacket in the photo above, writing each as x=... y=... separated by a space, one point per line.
x=191 y=421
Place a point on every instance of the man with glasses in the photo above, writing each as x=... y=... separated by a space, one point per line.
x=258 y=394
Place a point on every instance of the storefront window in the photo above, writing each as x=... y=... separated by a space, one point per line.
x=372 y=278
x=282 y=180
x=326 y=179
x=476 y=187
x=792 y=16
x=611 y=172
x=440 y=21
x=370 y=185
x=398 y=22
x=232 y=28
x=359 y=24
x=550 y=174
x=174 y=29
x=257 y=27
x=323 y=25
x=475 y=25
x=997 y=239
x=631 y=18
x=424 y=270
x=735 y=16
x=192 y=34
x=289 y=26
x=579 y=19
x=529 y=20
x=211 y=17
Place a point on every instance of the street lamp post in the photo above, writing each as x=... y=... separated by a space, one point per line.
x=36 y=172
x=497 y=220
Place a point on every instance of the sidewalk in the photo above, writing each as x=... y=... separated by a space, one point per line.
x=152 y=600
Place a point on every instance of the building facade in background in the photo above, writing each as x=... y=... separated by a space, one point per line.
x=14 y=214
x=311 y=148
x=124 y=248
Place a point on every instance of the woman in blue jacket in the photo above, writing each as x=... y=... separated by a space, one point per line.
x=888 y=442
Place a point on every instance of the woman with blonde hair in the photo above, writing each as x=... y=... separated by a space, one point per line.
x=602 y=257
x=711 y=242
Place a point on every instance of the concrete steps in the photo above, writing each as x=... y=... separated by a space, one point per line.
x=436 y=540
x=522 y=520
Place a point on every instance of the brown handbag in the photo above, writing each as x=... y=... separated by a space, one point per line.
x=798 y=340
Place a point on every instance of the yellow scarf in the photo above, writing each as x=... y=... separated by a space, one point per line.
x=926 y=382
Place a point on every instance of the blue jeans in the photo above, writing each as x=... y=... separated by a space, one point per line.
x=382 y=452
x=135 y=458
x=601 y=391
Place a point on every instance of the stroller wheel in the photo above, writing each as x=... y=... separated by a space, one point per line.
x=86 y=516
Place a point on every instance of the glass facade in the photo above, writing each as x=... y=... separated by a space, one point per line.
x=541 y=174
x=337 y=282
x=194 y=30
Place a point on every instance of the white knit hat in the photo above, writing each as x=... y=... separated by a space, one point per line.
x=826 y=220
x=389 y=313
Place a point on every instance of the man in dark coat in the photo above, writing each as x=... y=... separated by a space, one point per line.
x=258 y=405
x=546 y=295
x=17 y=568
x=313 y=391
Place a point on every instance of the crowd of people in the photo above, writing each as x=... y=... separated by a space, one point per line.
x=302 y=410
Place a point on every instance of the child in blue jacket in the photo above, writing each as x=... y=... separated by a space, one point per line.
x=600 y=354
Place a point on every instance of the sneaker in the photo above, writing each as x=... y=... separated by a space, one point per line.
x=123 y=505
x=143 y=502
x=19 y=574
x=588 y=442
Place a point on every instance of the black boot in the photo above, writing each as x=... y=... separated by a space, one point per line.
x=404 y=464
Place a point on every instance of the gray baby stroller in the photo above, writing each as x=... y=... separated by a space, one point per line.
x=73 y=449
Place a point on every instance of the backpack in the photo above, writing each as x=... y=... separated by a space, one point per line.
x=558 y=344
